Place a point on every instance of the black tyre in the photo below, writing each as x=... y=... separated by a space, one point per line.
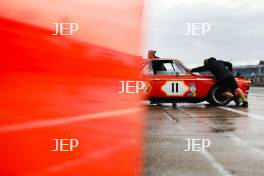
x=216 y=98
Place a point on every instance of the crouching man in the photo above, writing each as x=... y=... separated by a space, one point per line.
x=223 y=74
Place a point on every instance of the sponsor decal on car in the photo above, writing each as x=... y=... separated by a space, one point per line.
x=192 y=88
x=147 y=87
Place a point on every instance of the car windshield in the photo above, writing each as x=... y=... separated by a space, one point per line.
x=179 y=68
x=167 y=67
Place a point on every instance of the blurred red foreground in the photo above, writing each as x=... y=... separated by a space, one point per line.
x=59 y=87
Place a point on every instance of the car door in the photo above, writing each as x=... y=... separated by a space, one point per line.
x=171 y=80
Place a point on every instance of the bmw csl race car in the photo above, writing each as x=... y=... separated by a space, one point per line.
x=168 y=81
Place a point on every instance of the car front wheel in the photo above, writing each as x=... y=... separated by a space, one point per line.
x=216 y=98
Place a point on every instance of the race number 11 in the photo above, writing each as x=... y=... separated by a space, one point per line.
x=174 y=87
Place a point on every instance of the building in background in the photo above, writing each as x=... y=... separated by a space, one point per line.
x=254 y=72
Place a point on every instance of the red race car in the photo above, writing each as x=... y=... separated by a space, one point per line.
x=169 y=81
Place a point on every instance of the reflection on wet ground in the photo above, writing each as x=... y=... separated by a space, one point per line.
x=236 y=135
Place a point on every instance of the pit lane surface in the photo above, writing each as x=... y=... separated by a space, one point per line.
x=236 y=135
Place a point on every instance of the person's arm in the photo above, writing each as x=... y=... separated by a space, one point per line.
x=199 y=69
x=228 y=65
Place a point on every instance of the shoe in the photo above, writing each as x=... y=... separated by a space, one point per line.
x=245 y=104
x=237 y=101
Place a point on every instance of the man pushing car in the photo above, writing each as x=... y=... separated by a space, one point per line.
x=222 y=71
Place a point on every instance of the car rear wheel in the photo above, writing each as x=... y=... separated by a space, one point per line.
x=216 y=98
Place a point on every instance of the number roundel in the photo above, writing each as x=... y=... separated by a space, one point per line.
x=174 y=88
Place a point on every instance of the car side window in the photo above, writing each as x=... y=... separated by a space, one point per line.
x=163 y=67
x=147 y=69
x=167 y=67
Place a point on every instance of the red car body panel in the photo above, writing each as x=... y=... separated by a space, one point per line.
x=59 y=87
x=190 y=87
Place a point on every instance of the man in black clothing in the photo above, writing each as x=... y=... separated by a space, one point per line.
x=223 y=74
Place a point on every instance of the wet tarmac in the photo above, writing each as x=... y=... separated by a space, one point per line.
x=236 y=137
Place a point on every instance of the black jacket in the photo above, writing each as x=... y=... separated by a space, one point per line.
x=220 y=69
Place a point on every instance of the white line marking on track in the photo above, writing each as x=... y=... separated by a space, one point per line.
x=258 y=117
x=253 y=150
x=257 y=152
x=215 y=164
x=221 y=170
x=60 y=121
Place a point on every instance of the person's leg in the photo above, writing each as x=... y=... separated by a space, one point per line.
x=234 y=88
x=241 y=94
x=228 y=94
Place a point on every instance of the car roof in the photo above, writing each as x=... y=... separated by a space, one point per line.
x=161 y=59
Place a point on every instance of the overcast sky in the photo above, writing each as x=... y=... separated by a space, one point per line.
x=236 y=34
